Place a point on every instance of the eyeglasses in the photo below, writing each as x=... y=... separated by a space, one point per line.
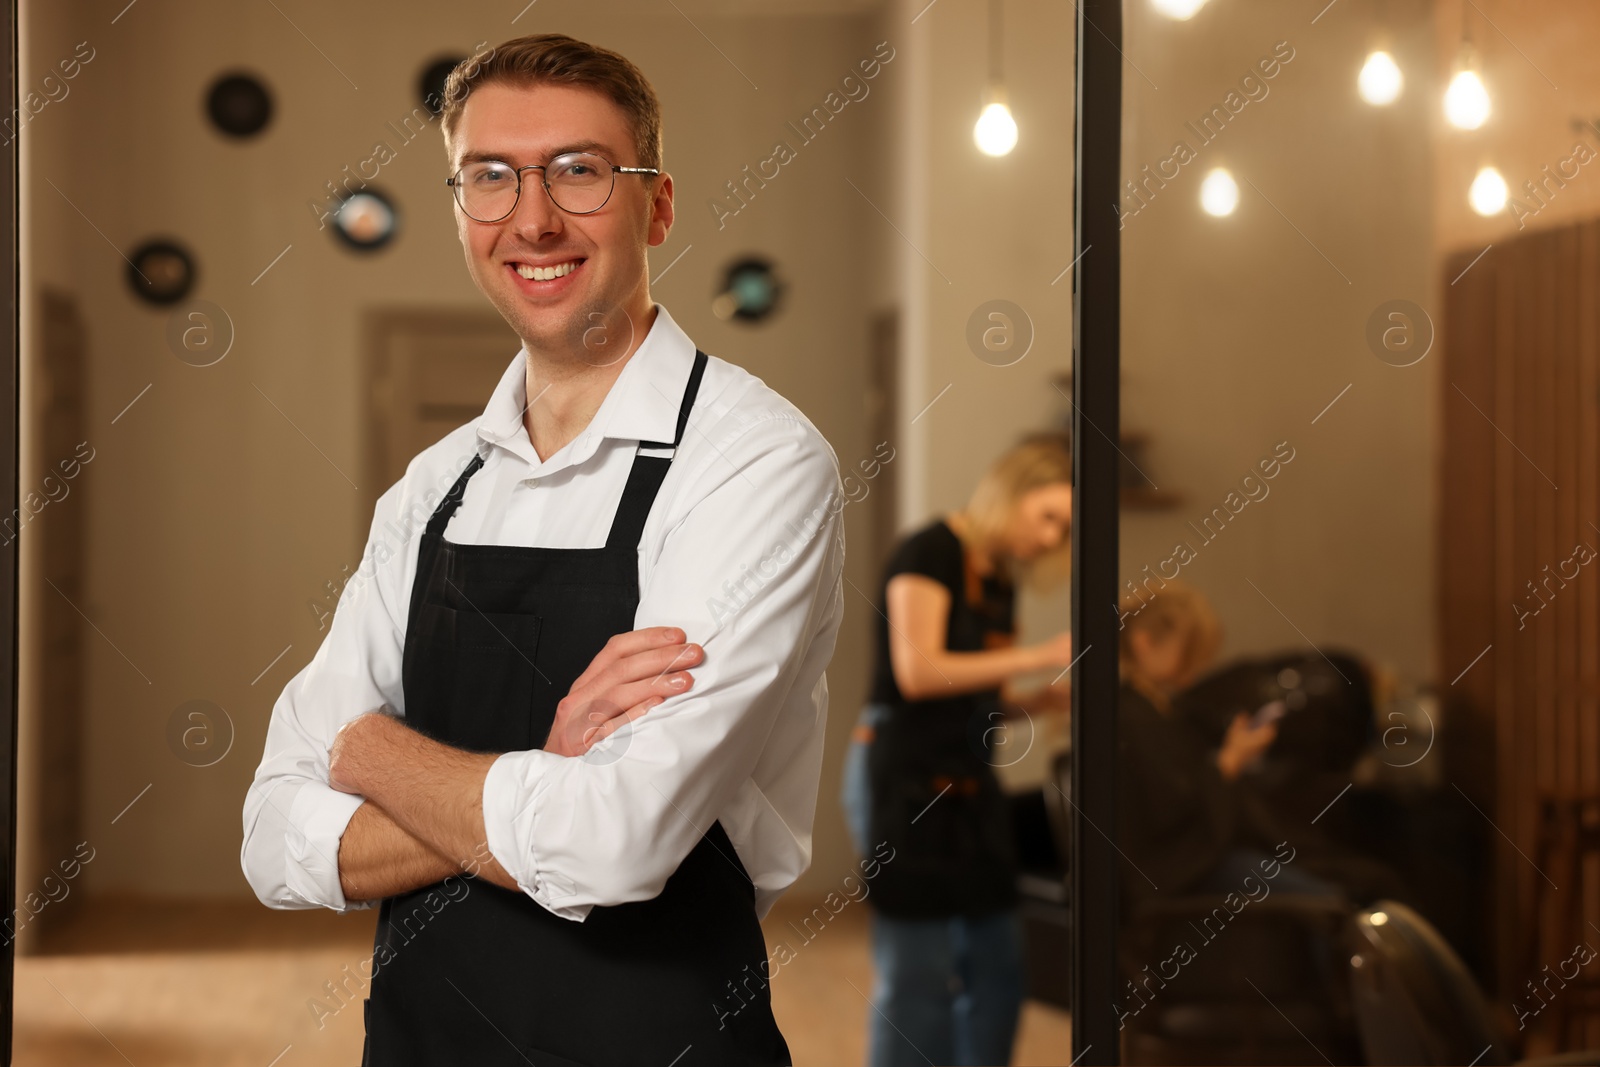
x=579 y=183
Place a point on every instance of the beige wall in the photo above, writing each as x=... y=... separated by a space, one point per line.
x=1239 y=332
x=213 y=520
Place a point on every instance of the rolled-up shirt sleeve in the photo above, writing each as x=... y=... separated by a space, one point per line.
x=293 y=820
x=751 y=569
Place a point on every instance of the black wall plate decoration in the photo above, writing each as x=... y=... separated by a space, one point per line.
x=430 y=87
x=365 y=220
x=750 y=291
x=161 y=271
x=239 y=104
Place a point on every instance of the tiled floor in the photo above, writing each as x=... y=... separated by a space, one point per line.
x=223 y=985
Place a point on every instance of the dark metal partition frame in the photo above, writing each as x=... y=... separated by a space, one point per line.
x=1096 y=358
x=10 y=386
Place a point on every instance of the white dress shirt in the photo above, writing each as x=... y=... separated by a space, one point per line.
x=743 y=549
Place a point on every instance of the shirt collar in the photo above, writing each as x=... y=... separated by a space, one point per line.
x=641 y=405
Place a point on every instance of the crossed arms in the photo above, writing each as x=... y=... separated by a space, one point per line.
x=423 y=819
x=340 y=818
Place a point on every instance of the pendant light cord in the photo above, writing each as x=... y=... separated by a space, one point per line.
x=996 y=73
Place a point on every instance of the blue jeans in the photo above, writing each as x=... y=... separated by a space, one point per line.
x=949 y=990
x=855 y=785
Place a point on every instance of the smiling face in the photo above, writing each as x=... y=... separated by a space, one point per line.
x=1041 y=521
x=603 y=306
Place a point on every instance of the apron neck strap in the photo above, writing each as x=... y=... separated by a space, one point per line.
x=452 y=500
x=648 y=471
x=643 y=480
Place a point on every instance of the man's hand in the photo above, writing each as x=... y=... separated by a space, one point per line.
x=340 y=763
x=633 y=673
x=433 y=791
x=428 y=789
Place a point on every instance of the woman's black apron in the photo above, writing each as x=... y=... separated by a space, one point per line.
x=935 y=799
x=466 y=972
x=934 y=796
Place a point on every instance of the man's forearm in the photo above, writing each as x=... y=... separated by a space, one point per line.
x=378 y=858
x=431 y=792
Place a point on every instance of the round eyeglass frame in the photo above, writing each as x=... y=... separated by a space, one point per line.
x=455 y=183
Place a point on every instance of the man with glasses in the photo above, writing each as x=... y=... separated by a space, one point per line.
x=570 y=834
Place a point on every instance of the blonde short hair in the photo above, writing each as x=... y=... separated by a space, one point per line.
x=1036 y=461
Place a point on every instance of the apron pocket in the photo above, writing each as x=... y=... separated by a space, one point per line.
x=491 y=698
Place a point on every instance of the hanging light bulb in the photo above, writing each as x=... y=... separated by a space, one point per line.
x=995 y=133
x=1219 y=193
x=1380 y=80
x=1488 y=193
x=1466 y=101
x=1178 y=9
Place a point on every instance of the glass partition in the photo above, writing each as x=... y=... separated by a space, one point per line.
x=1358 y=780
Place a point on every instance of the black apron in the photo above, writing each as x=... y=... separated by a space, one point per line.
x=466 y=972
x=934 y=795
x=935 y=799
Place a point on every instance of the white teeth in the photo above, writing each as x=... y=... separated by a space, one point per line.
x=544 y=274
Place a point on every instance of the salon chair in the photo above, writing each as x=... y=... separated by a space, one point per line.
x=1342 y=767
x=1044 y=900
x=1415 y=1001
x=1209 y=1012
x=1263 y=985
x=1329 y=721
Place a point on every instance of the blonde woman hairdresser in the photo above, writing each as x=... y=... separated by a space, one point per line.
x=920 y=789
